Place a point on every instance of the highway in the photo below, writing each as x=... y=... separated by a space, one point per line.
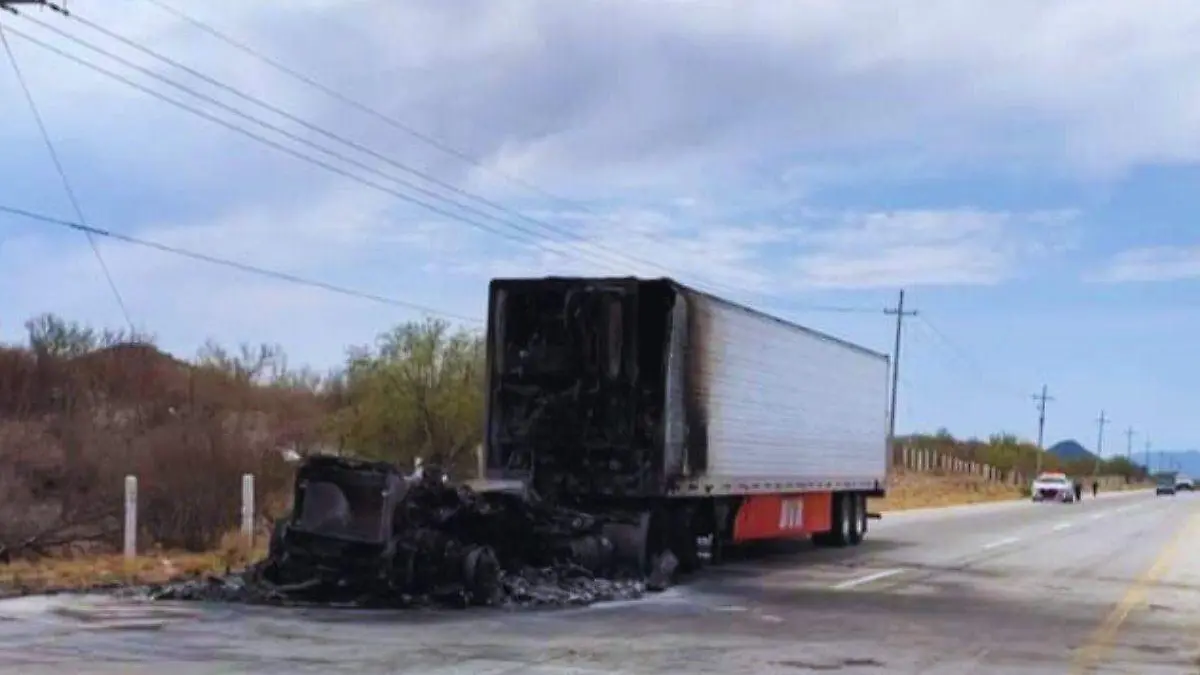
x=1111 y=585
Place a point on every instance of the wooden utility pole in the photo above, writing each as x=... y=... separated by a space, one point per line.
x=1129 y=444
x=900 y=313
x=1041 y=449
x=1101 y=421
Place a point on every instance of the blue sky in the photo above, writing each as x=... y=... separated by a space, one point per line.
x=1025 y=170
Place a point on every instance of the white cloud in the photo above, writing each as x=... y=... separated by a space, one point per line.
x=916 y=248
x=663 y=118
x=570 y=93
x=646 y=242
x=1153 y=263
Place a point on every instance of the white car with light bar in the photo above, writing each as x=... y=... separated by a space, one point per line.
x=1053 y=487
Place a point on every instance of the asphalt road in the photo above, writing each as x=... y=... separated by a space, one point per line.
x=1107 y=586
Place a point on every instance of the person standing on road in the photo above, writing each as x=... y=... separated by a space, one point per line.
x=1095 y=488
x=1078 y=489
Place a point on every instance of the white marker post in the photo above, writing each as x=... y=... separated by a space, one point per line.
x=248 y=508
x=131 y=517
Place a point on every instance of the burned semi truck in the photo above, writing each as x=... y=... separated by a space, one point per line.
x=708 y=423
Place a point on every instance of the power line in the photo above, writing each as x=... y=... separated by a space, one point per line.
x=9 y=5
x=966 y=357
x=254 y=100
x=233 y=264
x=62 y=174
x=536 y=240
x=610 y=255
x=357 y=105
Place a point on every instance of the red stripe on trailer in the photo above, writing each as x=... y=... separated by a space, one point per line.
x=783 y=516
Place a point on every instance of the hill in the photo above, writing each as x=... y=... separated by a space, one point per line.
x=1070 y=450
x=1187 y=461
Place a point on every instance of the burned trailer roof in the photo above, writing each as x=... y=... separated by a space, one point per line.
x=505 y=282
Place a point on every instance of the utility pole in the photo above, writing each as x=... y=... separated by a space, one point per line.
x=1100 y=422
x=1041 y=399
x=1129 y=444
x=1147 y=456
x=900 y=313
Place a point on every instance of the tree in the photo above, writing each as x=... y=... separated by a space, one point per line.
x=417 y=393
x=51 y=335
x=251 y=365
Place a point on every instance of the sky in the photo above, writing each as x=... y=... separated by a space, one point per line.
x=1024 y=170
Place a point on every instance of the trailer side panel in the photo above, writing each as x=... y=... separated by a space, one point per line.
x=774 y=407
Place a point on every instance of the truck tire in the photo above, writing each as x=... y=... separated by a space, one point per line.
x=843 y=525
x=858 y=520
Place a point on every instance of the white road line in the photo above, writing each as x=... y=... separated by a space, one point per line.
x=1001 y=542
x=1062 y=526
x=867 y=579
x=1097 y=516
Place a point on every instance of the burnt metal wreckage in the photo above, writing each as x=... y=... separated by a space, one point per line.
x=363 y=533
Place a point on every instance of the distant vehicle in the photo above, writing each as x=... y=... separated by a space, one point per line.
x=1053 y=487
x=1165 y=485
x=1183 y=482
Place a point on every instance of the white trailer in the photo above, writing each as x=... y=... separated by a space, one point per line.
x=786 y=408
x=711 y=420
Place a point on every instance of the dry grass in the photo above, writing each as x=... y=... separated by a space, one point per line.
x=908 y=490
x=97 y=571
x=911 y=490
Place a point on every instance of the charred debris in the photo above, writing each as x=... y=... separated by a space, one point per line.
x=585 y=432
x=364 y=534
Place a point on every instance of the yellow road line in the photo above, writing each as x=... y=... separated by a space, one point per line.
x=1088 y=657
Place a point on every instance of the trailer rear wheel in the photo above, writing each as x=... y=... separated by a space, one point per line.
x=843 y=523
x=858 y=518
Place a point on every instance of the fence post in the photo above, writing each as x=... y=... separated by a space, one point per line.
x=131 y=517
x=248 y=508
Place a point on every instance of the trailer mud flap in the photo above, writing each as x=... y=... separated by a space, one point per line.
x=783 y=516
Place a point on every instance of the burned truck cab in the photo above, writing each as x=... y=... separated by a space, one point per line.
x=583 y=381
x=342 y=522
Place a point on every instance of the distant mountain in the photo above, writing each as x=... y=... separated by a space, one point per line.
x=1070 y=451
x=1187 y=461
